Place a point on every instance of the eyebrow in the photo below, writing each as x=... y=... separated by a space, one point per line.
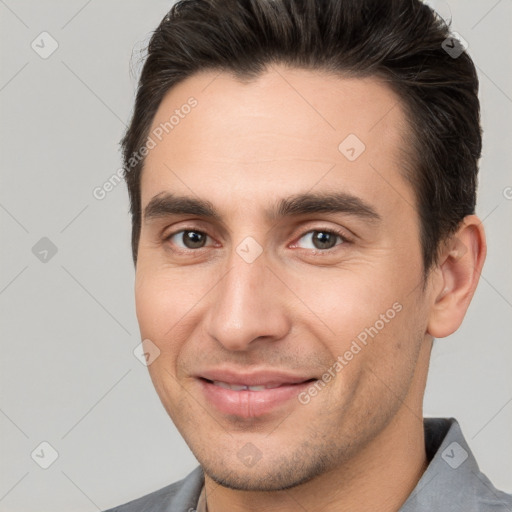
x=166 y=204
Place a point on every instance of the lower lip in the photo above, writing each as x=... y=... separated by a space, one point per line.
x=250 y=404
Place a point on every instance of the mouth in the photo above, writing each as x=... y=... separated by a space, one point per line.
x=242 y=400
x=246 y=387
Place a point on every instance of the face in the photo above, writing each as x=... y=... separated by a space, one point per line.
x=280 y=250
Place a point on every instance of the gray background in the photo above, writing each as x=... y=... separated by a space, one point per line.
x=68 y=373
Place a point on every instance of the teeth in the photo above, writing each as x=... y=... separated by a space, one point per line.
x=239 y=387
x=236 y=387
x=221 y=384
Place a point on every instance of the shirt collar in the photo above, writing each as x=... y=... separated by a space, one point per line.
x=453 y=480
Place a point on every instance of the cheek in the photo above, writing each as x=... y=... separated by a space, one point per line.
x=159 y=310
x=162 y=298
x=348 y=304
x=394 y=352
x=169 y=305
x=370 y=325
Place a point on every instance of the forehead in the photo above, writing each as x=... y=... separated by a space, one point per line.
x=289 y=130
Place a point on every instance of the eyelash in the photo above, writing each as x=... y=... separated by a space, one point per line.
x=344 y=239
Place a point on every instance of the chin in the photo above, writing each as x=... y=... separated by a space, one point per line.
x=276 y=477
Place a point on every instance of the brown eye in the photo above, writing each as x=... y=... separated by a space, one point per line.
x=322 y=239
x=188 y=239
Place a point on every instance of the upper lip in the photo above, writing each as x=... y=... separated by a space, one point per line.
x=252 y=378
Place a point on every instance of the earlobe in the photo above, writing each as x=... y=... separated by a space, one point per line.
x=459 y=271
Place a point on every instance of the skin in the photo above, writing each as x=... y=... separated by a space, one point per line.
x=358 y=444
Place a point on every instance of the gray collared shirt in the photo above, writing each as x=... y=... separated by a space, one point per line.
x=452 y=482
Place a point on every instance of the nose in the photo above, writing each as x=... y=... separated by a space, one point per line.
x=247 y=306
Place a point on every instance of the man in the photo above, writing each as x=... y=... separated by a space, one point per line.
x=302 y=180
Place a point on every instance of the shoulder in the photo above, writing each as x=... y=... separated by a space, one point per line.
x=181 y=495
x=453 y=480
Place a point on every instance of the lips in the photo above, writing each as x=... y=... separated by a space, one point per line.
x=250 y=395
x=267 y=378
x=241 y=387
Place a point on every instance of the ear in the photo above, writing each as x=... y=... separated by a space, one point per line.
x=458 y=272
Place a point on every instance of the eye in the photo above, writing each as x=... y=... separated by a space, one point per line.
x=317 y=240
x=189 y=238
x=322 y=239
